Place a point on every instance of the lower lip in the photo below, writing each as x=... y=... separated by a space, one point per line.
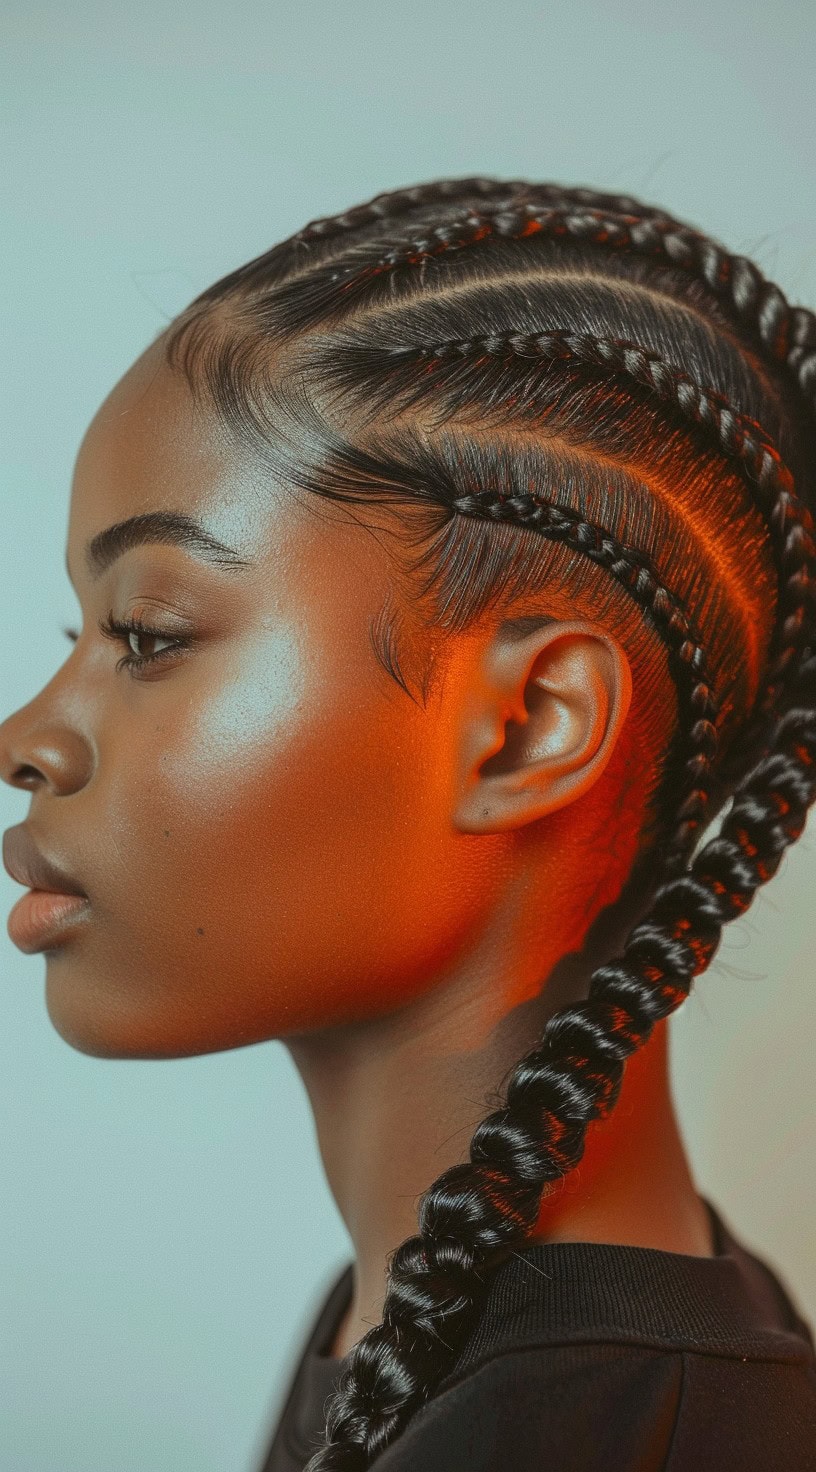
x=41 y=919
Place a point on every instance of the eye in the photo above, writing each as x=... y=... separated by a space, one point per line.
x=124 y=630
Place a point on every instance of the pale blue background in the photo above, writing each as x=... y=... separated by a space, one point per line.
x=166 y=1228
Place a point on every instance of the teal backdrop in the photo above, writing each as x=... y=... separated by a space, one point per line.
x=166 y=1229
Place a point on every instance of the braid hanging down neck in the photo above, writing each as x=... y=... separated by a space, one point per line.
x=476 y=1213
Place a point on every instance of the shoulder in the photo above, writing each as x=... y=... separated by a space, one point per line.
x=604 y=1407
x=592 y=1406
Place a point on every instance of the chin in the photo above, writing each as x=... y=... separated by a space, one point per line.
x=106 y=1018
x=95 y=1020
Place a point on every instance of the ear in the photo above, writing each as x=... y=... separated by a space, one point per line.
x=541 y=717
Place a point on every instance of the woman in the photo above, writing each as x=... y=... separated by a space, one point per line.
x=464 y=758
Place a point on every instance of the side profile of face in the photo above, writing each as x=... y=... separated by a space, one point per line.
x=273 y=837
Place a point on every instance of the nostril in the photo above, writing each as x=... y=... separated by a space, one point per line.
x=26 y=777
x=42 y=752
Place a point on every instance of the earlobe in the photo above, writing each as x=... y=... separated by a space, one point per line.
x=543 y=718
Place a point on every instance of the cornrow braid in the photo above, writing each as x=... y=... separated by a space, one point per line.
x=736 y=435
x=383 y=209
x=478 y=1212
x=397 y=203
x=686 y=655
x=475 y=1213
x=787 y=334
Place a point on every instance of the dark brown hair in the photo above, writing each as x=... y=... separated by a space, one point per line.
x=553 y=391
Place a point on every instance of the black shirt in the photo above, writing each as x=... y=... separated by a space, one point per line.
x=590 y=1357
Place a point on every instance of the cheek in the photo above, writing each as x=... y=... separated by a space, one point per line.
x=299 y=865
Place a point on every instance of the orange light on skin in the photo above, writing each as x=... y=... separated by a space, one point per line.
x=311 y=807
x=277 y=843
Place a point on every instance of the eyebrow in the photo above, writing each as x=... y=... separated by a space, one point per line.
x=170 y=527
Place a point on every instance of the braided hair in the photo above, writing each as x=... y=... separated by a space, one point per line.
x=645 y=406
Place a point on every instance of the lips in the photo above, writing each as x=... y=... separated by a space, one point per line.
x=24 y=862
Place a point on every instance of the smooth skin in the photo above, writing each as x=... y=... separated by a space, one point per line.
x=277 y=842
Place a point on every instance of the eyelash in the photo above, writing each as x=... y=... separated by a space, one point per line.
x=120 y=629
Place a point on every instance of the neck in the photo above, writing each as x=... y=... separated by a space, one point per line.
x=397 y=1100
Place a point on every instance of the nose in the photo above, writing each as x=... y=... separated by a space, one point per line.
x=38 y=749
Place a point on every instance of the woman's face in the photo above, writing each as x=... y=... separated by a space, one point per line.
x=261 y=822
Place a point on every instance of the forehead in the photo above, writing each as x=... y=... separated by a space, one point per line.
x=151 y=446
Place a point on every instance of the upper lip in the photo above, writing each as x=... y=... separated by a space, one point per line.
x=24 y=862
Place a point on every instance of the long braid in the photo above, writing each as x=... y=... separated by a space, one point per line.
x=475 y=1213
x=479 y=1211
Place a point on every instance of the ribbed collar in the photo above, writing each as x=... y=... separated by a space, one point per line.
x=575 y=1292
